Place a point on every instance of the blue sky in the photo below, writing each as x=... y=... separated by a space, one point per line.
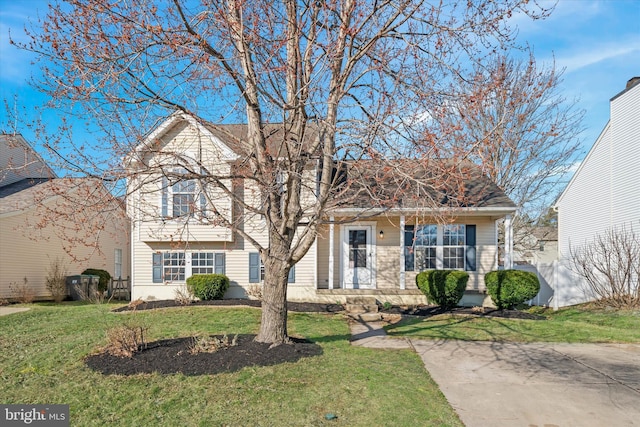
x=597 y=42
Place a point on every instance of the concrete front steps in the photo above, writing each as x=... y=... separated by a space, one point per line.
x=363 y=308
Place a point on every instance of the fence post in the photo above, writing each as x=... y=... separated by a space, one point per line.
x=555 y=285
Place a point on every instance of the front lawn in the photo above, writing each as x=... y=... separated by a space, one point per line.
x=573 y=324
x=42 y=355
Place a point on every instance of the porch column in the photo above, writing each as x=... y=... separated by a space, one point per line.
x=402 y=273
x=508 y=243
x=331 y=232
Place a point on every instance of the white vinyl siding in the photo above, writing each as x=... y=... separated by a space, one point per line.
x=605 y=190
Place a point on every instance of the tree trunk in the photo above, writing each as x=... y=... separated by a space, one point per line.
x=273 y=326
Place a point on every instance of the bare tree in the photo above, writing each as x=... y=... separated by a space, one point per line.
x=610 y=265
x=316 y=83
x=521 y=130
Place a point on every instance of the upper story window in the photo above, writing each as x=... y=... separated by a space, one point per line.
x=181 y=197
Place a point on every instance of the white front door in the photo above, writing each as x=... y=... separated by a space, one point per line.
x=358 y=257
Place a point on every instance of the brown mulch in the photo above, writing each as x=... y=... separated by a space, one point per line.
x=302 y=307
x=173 y=356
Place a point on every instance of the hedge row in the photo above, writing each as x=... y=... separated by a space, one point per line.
x=507 y=288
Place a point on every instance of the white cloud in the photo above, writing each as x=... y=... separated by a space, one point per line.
x=598 y=53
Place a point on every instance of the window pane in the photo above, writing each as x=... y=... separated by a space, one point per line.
x=425 y=259
x=453 y=258
x=173 y=269
x=182 y=204
x=427 y=235
x=454 y=235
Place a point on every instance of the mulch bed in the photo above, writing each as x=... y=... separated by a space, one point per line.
x=173 y=356
x=302 y=307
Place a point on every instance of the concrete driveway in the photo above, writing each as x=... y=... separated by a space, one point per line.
x=543 y=385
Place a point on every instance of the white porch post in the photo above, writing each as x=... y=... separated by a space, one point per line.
x=331 y=232
x=508 y=242
x=402 y=272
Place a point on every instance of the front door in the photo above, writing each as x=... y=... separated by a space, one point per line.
x=357 y=257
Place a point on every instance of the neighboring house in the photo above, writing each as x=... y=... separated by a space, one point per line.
x=44 y=218
x=605 y=191
x=603 y=194
x=537 y=245
x=379 y=255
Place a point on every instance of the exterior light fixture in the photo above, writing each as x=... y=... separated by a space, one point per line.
x=381 y=234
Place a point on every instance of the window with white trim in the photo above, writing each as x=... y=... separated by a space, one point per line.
x=177 y=266
x=182 y=197
x=453 y=242
x=432 y=246
x=117 y=268
x=207 y=263
x=426 y=242
x=173 y=266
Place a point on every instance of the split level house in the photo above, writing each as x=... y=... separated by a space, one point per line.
x=45 y=219
x=358 y=250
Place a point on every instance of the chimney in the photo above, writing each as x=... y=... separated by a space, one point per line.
x=632 y=82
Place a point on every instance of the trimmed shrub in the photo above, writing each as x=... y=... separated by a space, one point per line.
x=509 y=288
x=105 y=277
x=443 y=287
x=208 y=286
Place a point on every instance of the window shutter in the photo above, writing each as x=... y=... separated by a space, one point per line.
x=165 y=197
x=157 y=268
x=203 y=205
x=254 y=267
x=470 y=250
x=292 y=275
x=409 y=254
x=219 y=267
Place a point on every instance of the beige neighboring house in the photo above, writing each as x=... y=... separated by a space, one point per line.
x=539 y=245
x=376 y=256
x=44 y=218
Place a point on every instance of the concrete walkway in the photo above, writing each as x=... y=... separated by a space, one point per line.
x=4 y=310
x=529 y=385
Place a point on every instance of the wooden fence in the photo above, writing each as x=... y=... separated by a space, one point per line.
x=119 y=288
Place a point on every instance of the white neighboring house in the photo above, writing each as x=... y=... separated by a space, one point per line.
x=44 y=218
x=604 y=193
x=174 y=237
x=605 y=190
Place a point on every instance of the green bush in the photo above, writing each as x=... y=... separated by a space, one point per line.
x=509 y=288
x=105 y=277
x=208 y=286
x=443 y=287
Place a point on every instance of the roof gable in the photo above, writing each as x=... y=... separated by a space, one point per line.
x=19 y=161
x=151 y=142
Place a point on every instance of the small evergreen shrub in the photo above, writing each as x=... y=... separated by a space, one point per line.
x=509 y=288
x=105 y=277
x=208 y=286
x=443 y=287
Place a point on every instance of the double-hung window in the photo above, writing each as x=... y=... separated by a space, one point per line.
x=181 y=197
x=426 y=242
x=177 y=266
x=173 y=266
x=432 y=246
x=453 y=242
x=207 y=263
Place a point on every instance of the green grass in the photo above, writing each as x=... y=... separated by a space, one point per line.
x=41 y=361
x=574 y=325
